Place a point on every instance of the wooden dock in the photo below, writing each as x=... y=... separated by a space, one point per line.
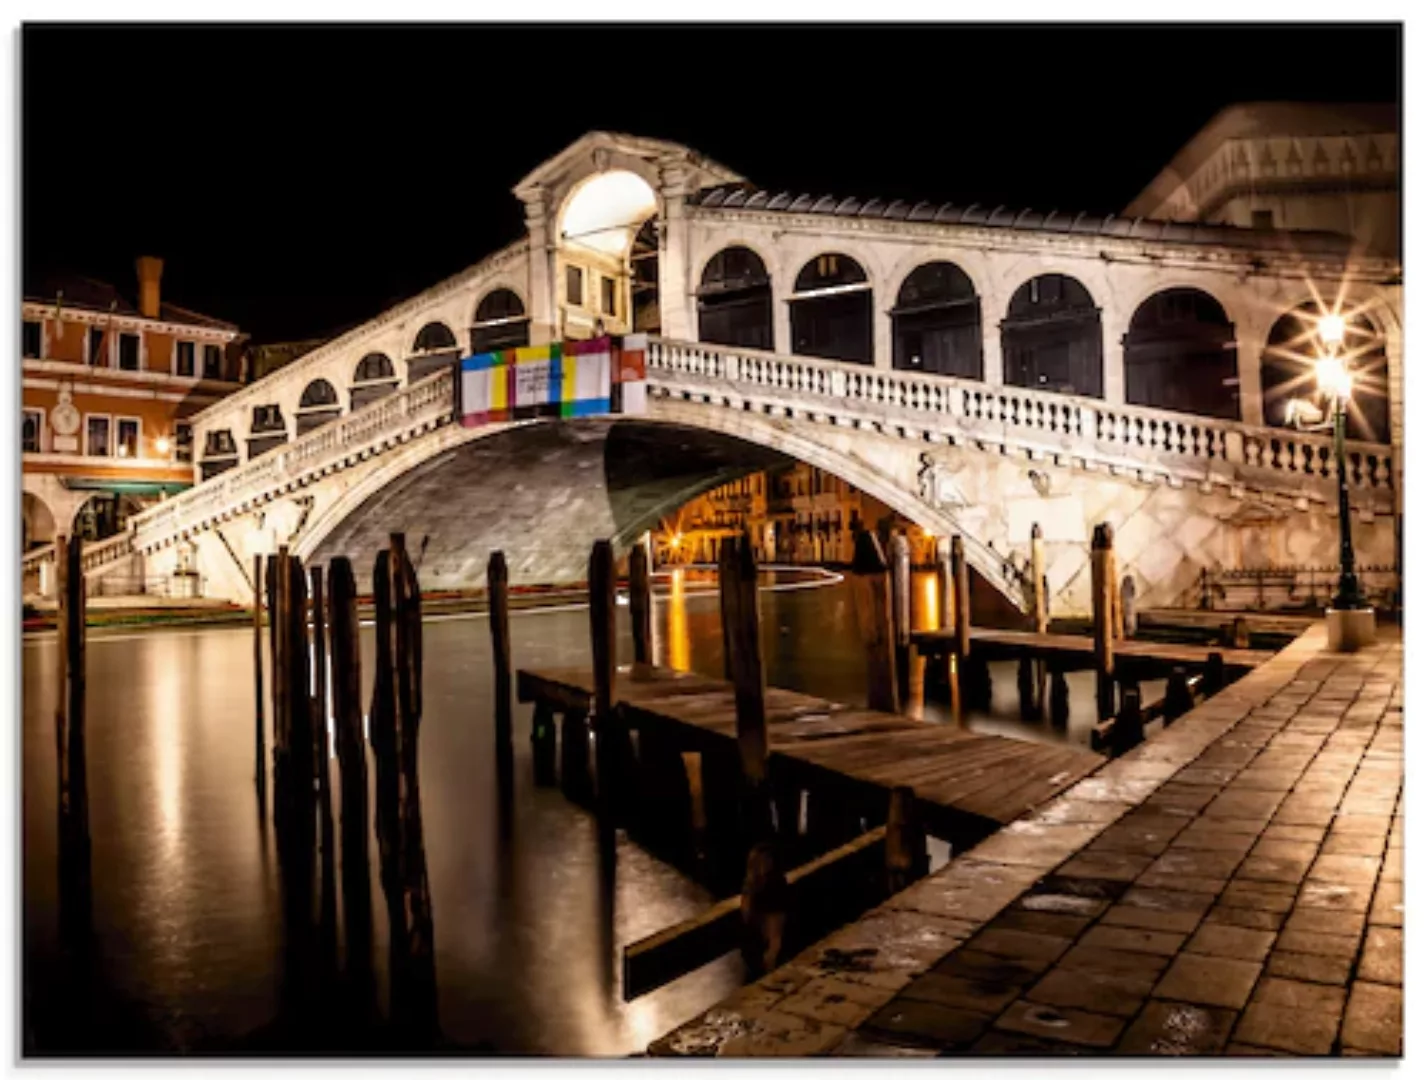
x=1077 y=650
x=966 y=784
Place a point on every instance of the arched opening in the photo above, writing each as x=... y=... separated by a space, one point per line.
x=735 y=300
x=269 y=430
x=374 y=378
x=500 y=323
x=1180 y=353
x=1288 y=371
x=601 y=287
x=220 y=453
x=1053 y=338
x=435 y=348
x=38 y=522
x=831 y=310
x=936 y=323
x=103 y=515
x=319 y=405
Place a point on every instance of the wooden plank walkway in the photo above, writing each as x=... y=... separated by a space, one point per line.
x=965 y=783
x=1002 y=643
x=1232 y=886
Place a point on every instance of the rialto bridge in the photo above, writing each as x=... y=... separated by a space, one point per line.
x=975 y=368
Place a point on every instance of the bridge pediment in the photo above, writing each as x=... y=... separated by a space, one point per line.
x=603 y=151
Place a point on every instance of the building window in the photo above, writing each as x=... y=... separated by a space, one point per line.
x=96 y=347
x=219 y=443
x=96 y=436
x=129 y=352
x=606 y=297
x=183 y=441
x=183 y=359
x=212 y=361
x=574 y=285
x=32 y=436
x=33 y=339
x=128 y=440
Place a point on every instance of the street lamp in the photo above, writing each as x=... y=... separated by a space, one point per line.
x=1334 y=381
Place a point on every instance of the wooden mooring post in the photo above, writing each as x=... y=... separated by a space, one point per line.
x=737 y=583
x=497 y=588
x=900 y=611
x=70 y=745
x=971 y=686
x=345 y=627
x=1039 y=592
x=1178 y=696
x=1101 y=566
x=906 y=857
x=612 y=755
x=871 y=591
x=640 y=604
x=259 y=774
x=321 y=744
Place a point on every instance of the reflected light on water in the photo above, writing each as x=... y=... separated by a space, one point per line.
x=679 y=650
x=169 y=736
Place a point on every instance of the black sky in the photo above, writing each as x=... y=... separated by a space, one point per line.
x=300 y=179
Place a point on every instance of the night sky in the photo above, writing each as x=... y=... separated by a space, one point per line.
x=298 y=180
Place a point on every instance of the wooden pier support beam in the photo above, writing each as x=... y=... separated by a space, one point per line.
x=1058 y=697
x=1037 y=582
x=610 y=741
x=497 y=587
x=1128 y=727
x=1178 y=697
x=871 y=591
x=259 y=774
x=70 y=744
x=321 y=745
x=544 y=737
x=900 y=611
x=907 y=860
x=640 y=604
x=1101 y=565
x=764 y=910
x=1215 y=675
x=742 y=630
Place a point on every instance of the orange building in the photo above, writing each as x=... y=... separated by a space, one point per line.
x=109 y=382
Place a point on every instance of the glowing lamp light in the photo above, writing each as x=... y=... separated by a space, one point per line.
x=1333 y=378
x=161 y=444
x=677 y=540
x=1332 y=330
x=123 y=450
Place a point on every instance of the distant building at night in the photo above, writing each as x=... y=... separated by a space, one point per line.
x=110 y=382
x=1288 y=165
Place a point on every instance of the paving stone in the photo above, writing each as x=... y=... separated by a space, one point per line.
x=835 y=1001
x=1106 y=865
x=1308 y=967
x=925 y=1023
x=1214 y=839
x=1089 y=888
x=1388 y=907
x=1259 y=895
x=1222 y=915
x=1343 y=945
x=1287 y=1029
x=1020 y=945
x=1373 y=1018
x=984 y=967
x=1302 y=851
x=1338 y=897
x=1234 y=942
x=856 y=1044
x=1061 y=1024
x=1036 y=844
x=1326 y=921
x=1345 y=869
x=1062 y=904
x=1182 y=797
x=1393 y=868
x=1383 y=957
x=1112 y=961
x=1096 y=991
x=1354 y=844
x=1132 y=841
x=777 y=1034
x=1281 y=871
x=1173 y=1028
x=976 y=995
x=1189 y=865
x=1312 y=834
x=997 y=1043
x=1209 y=980
x=1237 y=1049
x=1306 y=997
x=1132 y=939
x=1050 y=923
x=1374 y=824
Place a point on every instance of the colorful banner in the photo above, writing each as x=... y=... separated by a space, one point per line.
x=604 y=376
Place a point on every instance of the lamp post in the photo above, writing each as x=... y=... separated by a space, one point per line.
x=1333 y=378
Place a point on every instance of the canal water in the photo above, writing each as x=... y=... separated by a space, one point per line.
x=187 y=914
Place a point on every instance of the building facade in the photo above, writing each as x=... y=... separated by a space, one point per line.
x=110 y=383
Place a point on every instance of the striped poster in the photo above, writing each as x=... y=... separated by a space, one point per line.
x=630 y=391
x=536 y=381
x=587 y=369
x=484 y=390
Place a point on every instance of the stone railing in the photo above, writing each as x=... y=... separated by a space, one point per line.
x=1115 y=436
x=383 y=423
x=93 y=558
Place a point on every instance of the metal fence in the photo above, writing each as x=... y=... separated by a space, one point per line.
x=1293 y=588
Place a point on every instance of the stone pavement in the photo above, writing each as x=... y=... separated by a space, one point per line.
x=1231 y=886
